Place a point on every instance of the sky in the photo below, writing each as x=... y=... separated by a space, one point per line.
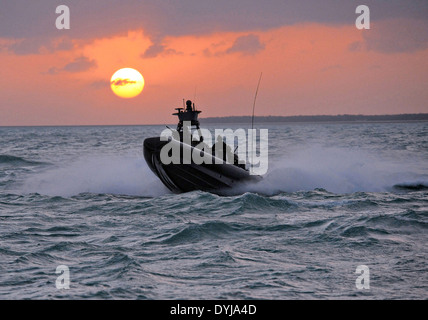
x=314 y=59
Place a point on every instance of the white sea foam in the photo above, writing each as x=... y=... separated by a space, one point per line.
x=338 y=170
x=97 y=174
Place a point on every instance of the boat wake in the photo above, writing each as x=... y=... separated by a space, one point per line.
x=339 y=170
x=336 y=170
x=97 y=174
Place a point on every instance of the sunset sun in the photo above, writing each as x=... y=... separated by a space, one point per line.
x=127 y=83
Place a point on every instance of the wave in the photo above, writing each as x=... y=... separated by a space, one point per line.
x=370 y=227
x=13 y=160
x=412 y=186
x=195 y=232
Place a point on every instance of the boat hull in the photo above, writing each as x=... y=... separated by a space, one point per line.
x=215 y=177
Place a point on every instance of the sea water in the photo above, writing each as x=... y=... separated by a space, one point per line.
x=337 y=196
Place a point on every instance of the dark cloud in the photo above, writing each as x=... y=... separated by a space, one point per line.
x=153 y=51
x=393 y=36
x=77 y=65
x=122 y=82
x=38 y=45
x=80 y=64
x=27 y=46
x=158 y=49
x=24 y=19
x=248 y=45
x=397 y=36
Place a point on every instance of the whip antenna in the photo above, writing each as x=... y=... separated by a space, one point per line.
x=255 y=98
x=252 y=118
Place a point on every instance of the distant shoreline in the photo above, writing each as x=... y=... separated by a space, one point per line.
x=408 y=117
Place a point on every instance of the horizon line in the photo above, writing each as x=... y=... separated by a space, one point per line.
x=422 y=117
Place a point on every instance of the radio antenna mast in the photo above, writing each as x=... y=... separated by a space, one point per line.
x=255 y=98
x=252 y=118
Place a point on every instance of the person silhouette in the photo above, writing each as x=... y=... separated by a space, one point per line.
x=189 y=105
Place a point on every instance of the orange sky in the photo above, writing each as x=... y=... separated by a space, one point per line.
x=309 y=68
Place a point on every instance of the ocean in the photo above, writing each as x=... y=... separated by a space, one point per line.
x=83 y=217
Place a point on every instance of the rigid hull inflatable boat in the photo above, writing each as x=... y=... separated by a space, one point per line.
x=183 y=173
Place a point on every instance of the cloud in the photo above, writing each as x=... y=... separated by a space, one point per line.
x=153 y=51
x=158 y=49
x=23 y=18
x=38 y=45
x=122 y=82
x=247 y=45
x=27 y=46
x=397 y=36
x=34 y=21
x=80 y=64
